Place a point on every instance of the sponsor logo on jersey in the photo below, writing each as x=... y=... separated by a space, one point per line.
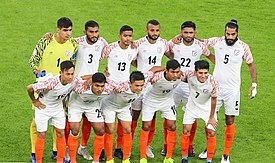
x=159 y=50
x=67 y=53
x=236 y=52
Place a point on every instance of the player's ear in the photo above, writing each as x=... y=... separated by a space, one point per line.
x=84 y=32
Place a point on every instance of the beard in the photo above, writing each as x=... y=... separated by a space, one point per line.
x=152 y=37
x=93 y=39
x=231 y=42
x=188 y=40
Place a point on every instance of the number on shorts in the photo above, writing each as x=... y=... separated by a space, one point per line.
x=98 y=113
x=174 y=109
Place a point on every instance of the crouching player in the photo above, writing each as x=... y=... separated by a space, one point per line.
x=48 y=106
x=87 y=103
x=201 y=104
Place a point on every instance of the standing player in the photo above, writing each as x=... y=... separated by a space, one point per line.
x=48 y=106
x=150 y=52
x=159 y=96
x=230 y=51
x=90 y=49
x=46 y=58
x=201 y=104
x=87 y=103
x=187 y=52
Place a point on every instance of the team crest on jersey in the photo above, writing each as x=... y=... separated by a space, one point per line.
x=67 y=53
x=194 y=53
x=236 y=52
x=159 y=50
x=205 y=91
x=175 y=85
x=129 y=57
x=97 y=48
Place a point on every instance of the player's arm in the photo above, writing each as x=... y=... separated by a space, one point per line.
x=134 y=63
x=35 y=101
x=211 y=57
x=253 y=88
x=169 y=54
x=212 y=119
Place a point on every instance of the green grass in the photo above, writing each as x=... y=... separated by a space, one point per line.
x=22 y=23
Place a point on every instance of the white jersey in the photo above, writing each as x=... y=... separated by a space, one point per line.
x=119 y=61
x=201 y=93
x=228 y=61
x=51 y=92
x=161 y=89
x=150 y=55
x=88 y=56
x=188 y=55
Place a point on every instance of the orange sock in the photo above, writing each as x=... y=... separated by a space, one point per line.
x=152 y=132
x=143 y=139
x=67 y=129
x=184 y=142
x=192 y=135
x=165 y=134
x=119 y=132
x=39 y=149
x=72 y=143
x=108 y=146
x=171 y=143
x=127 y=145
x=86 y=131
x=211 y=147
x=61 y=148
x=133 y=128
x=228 y=138
x=98 y=146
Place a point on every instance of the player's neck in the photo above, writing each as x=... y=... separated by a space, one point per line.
x=59 y=39
x=150 y=40
x=188 y=43
x=62 y=81
x=122 y=46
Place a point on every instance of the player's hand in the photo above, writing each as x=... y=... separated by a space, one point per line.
x=253 y=91
x=213 y=122
x=48 y=36
x=88 y=83
x=107 y=74
x=39 y=104
x=177 y=39
x=133 y=45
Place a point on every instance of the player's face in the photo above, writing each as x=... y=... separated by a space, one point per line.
x=126 y=37
x=67 y=76
x=92 y=34
x=202 y=75
x=188 y=34
x=65 y=33
x=137 y=86
x=153 y=31
x=98 y=87
x=172 y=74
x=231 y=36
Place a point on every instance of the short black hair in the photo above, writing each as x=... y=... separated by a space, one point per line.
x=233 y=24
x=172 y=64
x=136 y=75
x=201 y=64
x=64 y=22
x=91 y=23
x=99 y=77
x=189 y=24
x=125 y=28
x=65 y=65
x=153 y=22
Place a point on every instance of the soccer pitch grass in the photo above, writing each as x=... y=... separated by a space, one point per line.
x=24 y=22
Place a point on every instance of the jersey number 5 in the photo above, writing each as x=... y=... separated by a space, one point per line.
x=226 y=59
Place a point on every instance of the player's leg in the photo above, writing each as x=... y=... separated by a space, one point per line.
x=164 y=150
x=33 y=136
x=54 y=151
x=149 y=151
x=184 y=141
x=211 y=144
x=98 y=143
x=73 y=140
x=39 y=146
x=135 y=115
x=119 y=132
x=86 y=131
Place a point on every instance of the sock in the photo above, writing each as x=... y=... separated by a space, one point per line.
x=86 y=131
x=152 y=132
x=61 y=148
x=171 y=143
x=33 y=135
x=127 y=145
x=119 y=132
x=108 y=146
x=165 y=134
x=39 y=149
x=72 y=143
x=143 y=139
x=67 y=130
x=228 y=138
x=133 y=128
x=192 y=136
x=98 y=145
x=211 y=147
x=184 y=142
